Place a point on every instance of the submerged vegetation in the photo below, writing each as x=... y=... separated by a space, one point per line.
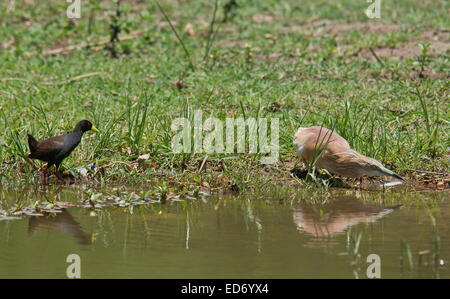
x=132 y=68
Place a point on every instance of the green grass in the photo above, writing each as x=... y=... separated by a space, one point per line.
x=241 y=67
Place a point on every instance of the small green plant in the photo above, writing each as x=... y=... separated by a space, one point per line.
x=212 y=33
x=248 y=53
x=115 y=29
x=137 y=120
x=424 y=58
x=229 y=10
x=94 y=8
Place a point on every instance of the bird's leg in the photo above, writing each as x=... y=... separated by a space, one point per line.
x=44 y=174
x=379 y=181
x=58 y=173
x=373 y=182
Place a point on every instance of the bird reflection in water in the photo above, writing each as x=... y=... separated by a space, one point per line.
x=62 y=222
x=333 y=218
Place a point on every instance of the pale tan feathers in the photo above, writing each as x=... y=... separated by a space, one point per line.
x=332 y=152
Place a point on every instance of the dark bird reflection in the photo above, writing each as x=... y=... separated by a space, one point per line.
x=62 y=222
x=332 y=218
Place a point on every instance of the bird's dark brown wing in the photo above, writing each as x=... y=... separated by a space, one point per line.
x=47 y=149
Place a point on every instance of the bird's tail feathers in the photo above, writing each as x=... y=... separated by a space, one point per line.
x=32 y=143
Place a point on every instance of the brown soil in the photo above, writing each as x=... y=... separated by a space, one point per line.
x=373 y=28
x=439 y=39
x=323 y=27
x=262 y=18
x=410 y=49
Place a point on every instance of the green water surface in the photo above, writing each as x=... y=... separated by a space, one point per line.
x=229 y=237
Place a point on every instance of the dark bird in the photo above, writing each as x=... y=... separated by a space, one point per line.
x=62 y=222
x=54 y=150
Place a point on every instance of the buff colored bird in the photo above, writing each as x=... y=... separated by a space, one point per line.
x=332 y=152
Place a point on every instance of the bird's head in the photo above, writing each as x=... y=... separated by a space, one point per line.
x=85 y=126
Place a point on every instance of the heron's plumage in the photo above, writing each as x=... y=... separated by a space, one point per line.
x=332 y=152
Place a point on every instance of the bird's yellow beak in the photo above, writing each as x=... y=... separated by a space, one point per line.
x=94 y=129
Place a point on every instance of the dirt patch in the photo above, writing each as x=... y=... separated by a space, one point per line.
x=436 y=35
x=262 y=18
x=323 y=27
x=408 y=50
x=364 y=27
x=439 y=39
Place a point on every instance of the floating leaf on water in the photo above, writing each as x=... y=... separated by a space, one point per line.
x=7 y=218
x=53 y=211
x=96 y=196
x=82 y=171
x=66 y=204
x=33 y=214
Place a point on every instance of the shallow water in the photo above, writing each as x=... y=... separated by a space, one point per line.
x=234 y=238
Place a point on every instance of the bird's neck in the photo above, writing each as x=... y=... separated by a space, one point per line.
x=78 y=132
